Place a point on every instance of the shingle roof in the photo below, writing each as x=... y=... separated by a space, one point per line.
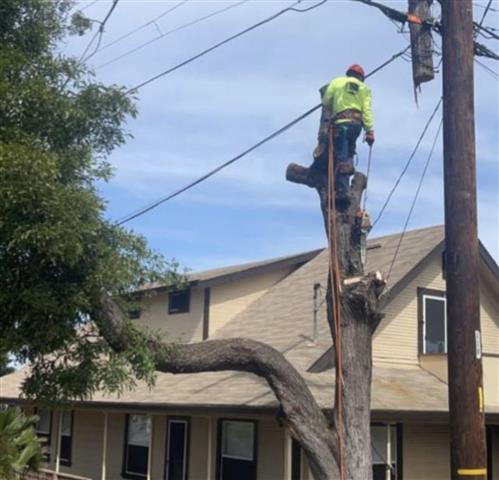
x=282 y=317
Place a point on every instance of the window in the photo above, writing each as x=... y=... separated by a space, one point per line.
x=179 y=302
x=137 y=435
x=384 y=451
x=44 y=430
x=134 y=312
x=433 y=321
x=177 y=445
x=237 y=455
x=295 y=460
x=66 y=438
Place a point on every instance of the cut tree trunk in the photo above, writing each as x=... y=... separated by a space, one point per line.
x=359 y=318
x=317 y=433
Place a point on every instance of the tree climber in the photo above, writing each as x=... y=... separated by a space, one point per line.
x=346 y=105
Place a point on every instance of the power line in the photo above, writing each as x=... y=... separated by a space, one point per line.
x=88 y=6
x=98 y=34
x=227 y=40
x=170 y=32
x=435 y=25
x=481 y=6
x=415 y=199
x=487 y=69
x=275 y=134
x=147 y=208
x=141 y=27
x=408 y=163
x=485 y=13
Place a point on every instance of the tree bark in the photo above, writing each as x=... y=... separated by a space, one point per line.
x=359 y=319
x=318 y=435
x=299 y=410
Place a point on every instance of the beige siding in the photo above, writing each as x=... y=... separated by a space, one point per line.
x=158 y=446
x=396 y=338
x=187 y=327
x=491 y=381
x=489 y=319
x=86 y=452
x=270 y=450
x=426 y=452
x=115 y=442
x=198 y=448
x=231 y=298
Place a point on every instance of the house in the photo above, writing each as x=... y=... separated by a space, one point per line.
x=207 y=426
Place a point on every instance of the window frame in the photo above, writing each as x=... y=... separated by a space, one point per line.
x=124 y=472
x=187 y=442
x=424 y=293
x=48 y=443
x=398 y=460
x=220 y=445
x=171 y=310
x=67 y=461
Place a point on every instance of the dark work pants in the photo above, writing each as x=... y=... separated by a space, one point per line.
x=345 y=137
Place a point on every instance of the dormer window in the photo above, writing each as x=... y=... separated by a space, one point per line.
x=179 y=301
x=433 y=321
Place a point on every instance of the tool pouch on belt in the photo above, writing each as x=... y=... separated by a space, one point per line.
x=349 y=114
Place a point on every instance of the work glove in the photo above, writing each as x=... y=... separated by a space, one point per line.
x=370 y=138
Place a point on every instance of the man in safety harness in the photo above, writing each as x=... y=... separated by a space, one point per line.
x=347 y=107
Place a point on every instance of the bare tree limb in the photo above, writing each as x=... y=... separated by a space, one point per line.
x=300 y=411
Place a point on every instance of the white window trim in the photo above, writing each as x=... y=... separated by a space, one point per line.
x=186 y=434
x=130 y=472
x=442 y=299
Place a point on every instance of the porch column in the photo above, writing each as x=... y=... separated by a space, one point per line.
x=149 y=451
x=388 y=474
x=104 y=447
x=209 y=448
x=58 y=443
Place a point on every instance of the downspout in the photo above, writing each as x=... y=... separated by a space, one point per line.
x=149 y=452
x=104 y=447
x=58 y=447
x=315 y=333
x=388 y=474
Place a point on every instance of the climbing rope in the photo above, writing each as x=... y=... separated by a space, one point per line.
x=367 y=177
x=334 y=275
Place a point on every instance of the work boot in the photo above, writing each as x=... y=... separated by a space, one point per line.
x=320 y=159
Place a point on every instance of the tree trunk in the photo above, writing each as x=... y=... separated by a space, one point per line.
x=359 y=318
x=317 y=434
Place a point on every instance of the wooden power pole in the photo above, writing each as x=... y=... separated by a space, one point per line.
x=466 y=401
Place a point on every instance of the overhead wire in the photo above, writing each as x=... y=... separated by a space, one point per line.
x=88 y=5
x=151 y=206
x=98 y=34
x=415 y=199
x=227 y=40
x=170 y=32
x=141 y=27
x=408 y=163
x=487 y=69
x=485 y=13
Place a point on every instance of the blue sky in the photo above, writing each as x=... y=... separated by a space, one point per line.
x=214 y=108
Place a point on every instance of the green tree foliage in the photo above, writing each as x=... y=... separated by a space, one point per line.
x=58 y=253
x=20 y=450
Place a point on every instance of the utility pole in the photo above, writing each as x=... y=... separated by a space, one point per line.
x=466 y=402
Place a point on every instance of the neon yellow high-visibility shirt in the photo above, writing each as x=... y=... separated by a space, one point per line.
x=349 y=93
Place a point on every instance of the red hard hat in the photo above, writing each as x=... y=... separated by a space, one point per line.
x=356 y=69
